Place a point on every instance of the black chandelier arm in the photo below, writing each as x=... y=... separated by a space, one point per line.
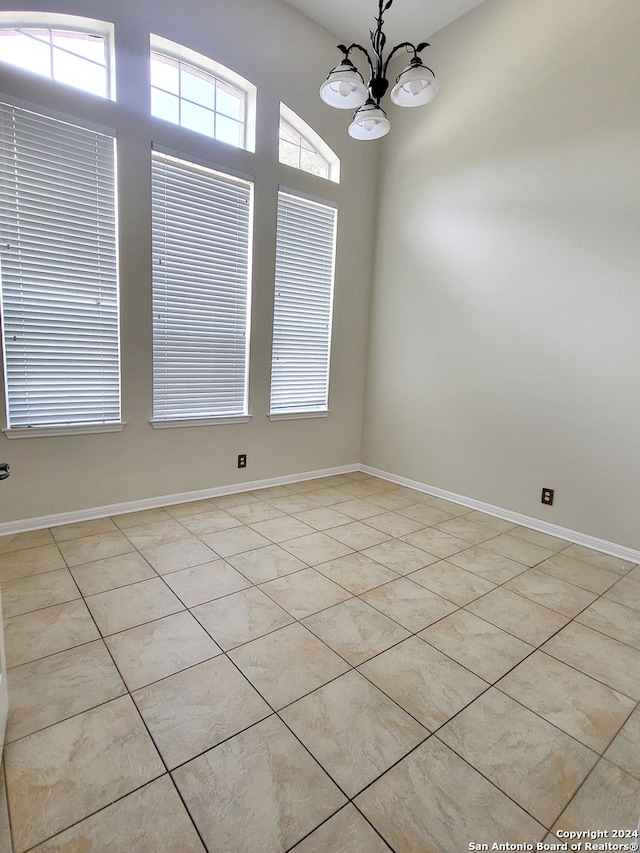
x=355 y=46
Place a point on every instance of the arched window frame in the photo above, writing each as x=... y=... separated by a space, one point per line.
x=315 y=142
x=49 y=21
x=209 y=67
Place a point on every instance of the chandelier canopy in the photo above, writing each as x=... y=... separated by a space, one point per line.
x=345 y=88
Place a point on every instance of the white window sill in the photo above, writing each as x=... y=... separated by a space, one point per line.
x=290 y=416
x=172 y=423
x=69 y=429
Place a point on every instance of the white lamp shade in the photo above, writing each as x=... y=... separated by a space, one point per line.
x=415 y=87
x=369 y=122
x=344 y=88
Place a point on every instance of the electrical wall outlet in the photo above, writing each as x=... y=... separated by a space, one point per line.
x=547 y=496
x=242 y=460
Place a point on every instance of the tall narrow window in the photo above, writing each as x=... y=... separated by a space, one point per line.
x=58 y=272
x=77 y=58
x=201 y=270
x=302 y=148
x=305 y=260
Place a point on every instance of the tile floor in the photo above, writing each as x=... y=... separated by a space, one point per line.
x=335 y=666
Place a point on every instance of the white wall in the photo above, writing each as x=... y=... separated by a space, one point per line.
x=286 y=56
x=505 y=346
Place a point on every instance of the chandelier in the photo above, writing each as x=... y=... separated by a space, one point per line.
x=345 y=88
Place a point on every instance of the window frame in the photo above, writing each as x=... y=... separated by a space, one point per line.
x=208 y=66
x=72 y=24
x=71 y=427
x=157 y=420
x=296 y=409
x=314 y=140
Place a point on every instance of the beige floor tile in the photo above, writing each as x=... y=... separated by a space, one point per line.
x=30 y=561
x=143 y=516
x=408 y=603
x=102 y=575
x=353 y=730
x=355 y=630
x=518 y=549
x=157 y=533
x=235 y=541
x=46 y=691
x=599 y=656
x=37 y=591
x=551 y=592
x=174 y=556
x=292 y=504
x=153 y=818
x=451 y=507
x=436 y=542
x=265 y=564
x=287 y=664
x=98 y=547
x=281 y=491
x=345 y=832
x=255 y=512
x=478 y=645
x=211 y=521
x=575 y=703
x=498 y=524
x=45 y=632
x=283 y=528
x=21 y=541
x=326 y=496
x=596 y=558
x=433 y=801
x=608 y=800
x=625 y=749
x=464 y=528
x=532 y=761
x=357 y=509
x=356 y=572
x=81 y=529
x=261 y=790
x=5 y=827
x=204 y=583
x=322 y=518
x=391 y=500
x=241 y=617
x=128 y=606
x=316 y=548
x=394 y=524
x=189 y=508
x=423 y=681
x=617 y=621
x=544 y=540
x=579 y=573
x=626 y=591
x=304 y=592
x=450 y=582
x=358 y=535
x=400 y=557
x=193 y=710
x=487 y=564
x=634 y=574
x=62 y=774
x=157 y=649
x=426 y=514
x=237 y=499
x=521 y=617
x=362 y=488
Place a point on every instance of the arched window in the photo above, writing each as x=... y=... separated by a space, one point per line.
x=64 y=48
x=195 y=92
x=302 y=148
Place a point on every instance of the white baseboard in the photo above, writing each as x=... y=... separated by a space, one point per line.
x=73 y=516
x=56 y=519
x=574 y=536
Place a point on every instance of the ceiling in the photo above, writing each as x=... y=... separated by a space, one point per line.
x=406 y=20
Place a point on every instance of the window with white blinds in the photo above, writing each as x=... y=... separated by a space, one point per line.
x=201 y=272
x=58 y=272
x=305 y=261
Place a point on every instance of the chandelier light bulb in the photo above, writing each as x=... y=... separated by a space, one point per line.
x=344 y=87
x=415 y=86
x=369 y=122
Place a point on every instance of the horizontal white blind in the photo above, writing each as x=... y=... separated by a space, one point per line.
x=58 y=272
x=201 y=263
x=305 y=261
